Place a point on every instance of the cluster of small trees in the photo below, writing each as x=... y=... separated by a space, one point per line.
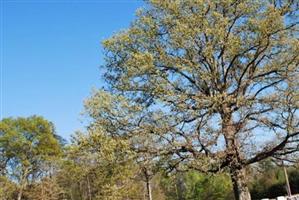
x=192 y=85
x=38 y=165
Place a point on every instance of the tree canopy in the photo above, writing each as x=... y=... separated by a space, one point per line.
x=28 y=146
x=214 y=84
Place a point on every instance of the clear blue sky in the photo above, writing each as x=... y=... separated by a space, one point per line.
x=51 y=55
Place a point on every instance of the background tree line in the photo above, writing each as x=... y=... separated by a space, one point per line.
x=36 y=164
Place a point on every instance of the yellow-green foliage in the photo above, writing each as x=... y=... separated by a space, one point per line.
x=103 y=164
x=7 y=189
x=206 y=85
x=194 y=68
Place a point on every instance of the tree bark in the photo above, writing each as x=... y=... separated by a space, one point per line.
x=23 y=183
x=148 y=189
x=20 y=193
x=287 y=181
x=89 y=189
x=237 y=172
x=22 y=187
x=241 y=190
x=180 y=187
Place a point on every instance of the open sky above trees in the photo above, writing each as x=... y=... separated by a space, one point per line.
x=51 y=54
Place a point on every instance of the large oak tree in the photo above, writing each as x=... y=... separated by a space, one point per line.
x=213 y=84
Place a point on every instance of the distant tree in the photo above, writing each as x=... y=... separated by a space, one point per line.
x=148 y=166
x=28 y=145
x=294 y=180
x=46 y=189
x=99 y=167
x=269 y=180
x=193 y=185
x=146 y=172
x=215 y=83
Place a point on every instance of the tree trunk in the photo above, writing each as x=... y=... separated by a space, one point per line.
x=23 y=183
x=241 y=190
x=148 y=189
x=238 y=175
x=89 y=189
x=20 y=193
x=180 y=187
x=43 y=193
